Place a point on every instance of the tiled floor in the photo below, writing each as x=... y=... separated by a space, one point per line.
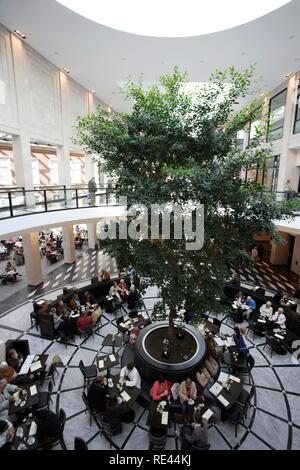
x=272 y=423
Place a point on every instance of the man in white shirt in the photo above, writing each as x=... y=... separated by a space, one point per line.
x=266 y=310
x=130 y=376
x=279 y=318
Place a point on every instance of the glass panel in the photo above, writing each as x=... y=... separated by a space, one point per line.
x=5 y=171
x=240 y=139
x=297 y=115
x=75 y=171
x=35 y=171
x=53 y=171
x=276 y=116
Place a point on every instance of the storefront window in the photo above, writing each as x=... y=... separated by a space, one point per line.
x=297 y=115
x=268 y=176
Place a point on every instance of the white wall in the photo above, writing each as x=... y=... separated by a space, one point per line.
x=36 y=97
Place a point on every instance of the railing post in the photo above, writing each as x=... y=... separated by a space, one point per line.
x=65 y=194
x=76 y=192
x=10 y=204
x=45 y=200
x=106 y=196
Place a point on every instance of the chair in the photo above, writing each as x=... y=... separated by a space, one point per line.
x=236 y=415
x=92 y=413
x=62 y=421
x=45 y=397
x=80 y=445
x=245 y=398
x=157 y=439
x=89 y=330
x=274 y=345
x=247 y=371
x=49 y=375
x=89 y=372
x=256 y=329
x=109 y=430
x=34 y=320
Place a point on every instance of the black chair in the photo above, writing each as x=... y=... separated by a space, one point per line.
x=89 y=372
x=247 y=371
x=49 y=375
x=80 y=445
x=157 y=439
x=236 y=415
x=45 y=397
x=257 y=329
x=62 y=421
x=108 y=429
x=245 y=398
x=200 y=447
x=274 y=345
x=34 y=320
x=92 y=413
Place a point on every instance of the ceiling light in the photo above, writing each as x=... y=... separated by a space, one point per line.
x=262 y=95
x=64 y=69
x=93 y=92
x=289 y=74
x=171 y=18
x=20 y=34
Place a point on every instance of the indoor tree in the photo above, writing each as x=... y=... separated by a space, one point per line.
x=178 y=146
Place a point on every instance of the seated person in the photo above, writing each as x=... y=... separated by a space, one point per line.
x=105 y=276
x=113 y=411
x=96 y=394
x=240 y=298
x=130 y=376
x=122 y=290
x=83 y=322
x=203 y=377
x=114 y=289
x=195 y=433
x=133 y=297
x=7 y=372
x=57 y=319
x=279 y=318
x=212 y=366
x=68 y=325
x=6 y=396
x=239 y=341
x=266 y=310
x=88 y=298
x=161 y=389
x=133 y=337
x=48 y=428
x=61 y=308
x=187 y=391
x=74 y=302
x=252 y=306
x=14 y=359
x=96 y=313
x=7 y=434
x=278 y=296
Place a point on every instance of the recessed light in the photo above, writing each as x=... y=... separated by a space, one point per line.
x=20 y=34
x=64 y=69
x=292 y=36
x=124 y=58
x=289 y=74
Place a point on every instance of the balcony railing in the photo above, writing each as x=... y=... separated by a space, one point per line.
x=16 y=202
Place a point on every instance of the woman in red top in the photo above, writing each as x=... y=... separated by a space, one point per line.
x=161 y=389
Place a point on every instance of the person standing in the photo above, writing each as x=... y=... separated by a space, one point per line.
x=92 y=190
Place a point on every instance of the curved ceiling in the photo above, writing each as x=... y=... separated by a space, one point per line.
x=101 y=58
x=171 y=18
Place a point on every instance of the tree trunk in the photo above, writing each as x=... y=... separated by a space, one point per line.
x=171 y=330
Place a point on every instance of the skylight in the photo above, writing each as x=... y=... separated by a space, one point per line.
x=172 y=18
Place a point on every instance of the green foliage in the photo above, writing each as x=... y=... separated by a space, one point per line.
x=176 y=147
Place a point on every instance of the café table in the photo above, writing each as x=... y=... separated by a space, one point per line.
x=113 y=341
x=231 y=395
x=25 y=437
x=28 y=397
x=132 y=392
x=239 y=362
x=210 y=327
x=107 y=362
x=154 y=419
x=33 y=363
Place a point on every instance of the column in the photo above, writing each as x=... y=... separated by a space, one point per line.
x=64 y=169
x=68 y=244
x=280 y=253
x=23 y=166
x=92 y=235
x=31 y=246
